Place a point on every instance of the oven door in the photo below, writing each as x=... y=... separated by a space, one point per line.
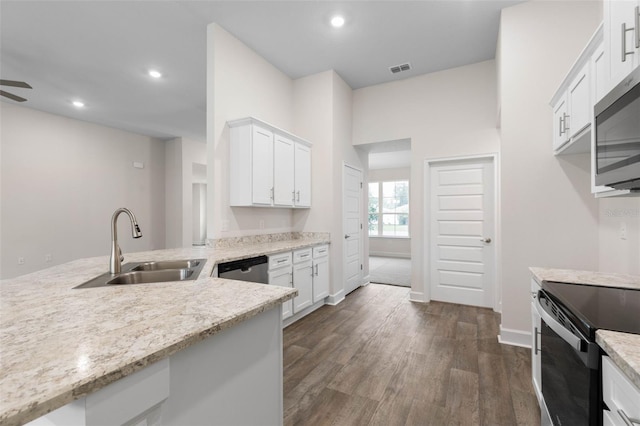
x=570 y=369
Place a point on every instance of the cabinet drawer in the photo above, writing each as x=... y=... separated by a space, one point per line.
x=619 y=393
x=301 y=255
x=279 y=260
x=320 y=251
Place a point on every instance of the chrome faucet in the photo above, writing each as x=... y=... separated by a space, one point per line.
x=115 y=263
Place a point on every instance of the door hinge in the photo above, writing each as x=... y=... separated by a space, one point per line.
x=360 y=226
x=361 y=267
x=360 y=185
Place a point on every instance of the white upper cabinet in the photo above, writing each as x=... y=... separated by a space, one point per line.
x=268 y=166
x=302 y=175
x=283 y=166
x=622 y=38
x=574 y=100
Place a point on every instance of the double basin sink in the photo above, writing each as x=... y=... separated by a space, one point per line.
x=150 y=272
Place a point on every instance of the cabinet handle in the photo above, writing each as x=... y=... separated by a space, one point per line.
x=637 y=27
x=629 y=421
x=298 y=199
x=560 y=125
x=272 y=193
x=316 y=270
x=282 y=260
x=565 y=125
x=293 y=196
x=625 y=30
x=311 y=270
x=536 y=349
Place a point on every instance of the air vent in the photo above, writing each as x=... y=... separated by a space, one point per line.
x=400 y=68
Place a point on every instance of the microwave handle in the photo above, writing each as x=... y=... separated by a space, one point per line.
x=564 y=334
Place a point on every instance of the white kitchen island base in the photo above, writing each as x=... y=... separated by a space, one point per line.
x=231 y=378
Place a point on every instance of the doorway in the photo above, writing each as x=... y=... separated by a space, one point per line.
x=461 y=215
x=352 y=226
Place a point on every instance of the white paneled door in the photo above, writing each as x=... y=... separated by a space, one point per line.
x=352 y=202
x=462 y=254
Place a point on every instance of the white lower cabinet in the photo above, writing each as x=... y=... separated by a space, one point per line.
x=281 y=273
x=302 y=279
x=620 y=395
x=320 y=273
x=536 y=357
x=283 y=277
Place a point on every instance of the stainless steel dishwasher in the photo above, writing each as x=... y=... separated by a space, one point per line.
x=254 y=269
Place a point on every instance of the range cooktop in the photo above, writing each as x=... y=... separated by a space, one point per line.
x=596 y=307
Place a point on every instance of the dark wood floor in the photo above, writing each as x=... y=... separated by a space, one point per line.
x=379 y=359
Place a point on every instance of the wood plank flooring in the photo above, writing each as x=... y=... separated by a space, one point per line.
x=379 y=359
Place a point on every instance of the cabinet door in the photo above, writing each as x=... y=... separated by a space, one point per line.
x=320 y=279
x=262 y=166
x=283 y=155
x=599 y=75
x=302 y=175
x=303 y=281
x=536 y=377
x=579 y=102
x=618 y=13
x=284 y=278
x=619 y=394
x=560 y=129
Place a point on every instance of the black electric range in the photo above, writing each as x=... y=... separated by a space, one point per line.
x=593 y=307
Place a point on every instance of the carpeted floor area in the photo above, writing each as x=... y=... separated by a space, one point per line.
x=390 y=270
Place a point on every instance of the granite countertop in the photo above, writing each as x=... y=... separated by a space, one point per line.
x=622 y=348
x=586 y=277
x=58 y=344
x=624 y=351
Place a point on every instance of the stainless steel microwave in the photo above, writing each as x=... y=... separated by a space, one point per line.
x=617 y=135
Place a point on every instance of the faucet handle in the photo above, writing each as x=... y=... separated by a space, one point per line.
x=120 y=254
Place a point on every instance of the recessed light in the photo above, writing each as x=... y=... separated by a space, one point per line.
x=337 y=21
x=78 y=104
x=155 y=73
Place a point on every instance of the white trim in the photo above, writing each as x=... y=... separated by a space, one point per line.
x=389 y=254
x=334 y=299
x=365 y=280
x=495 y=158
x=418 y=296
x=512 y=337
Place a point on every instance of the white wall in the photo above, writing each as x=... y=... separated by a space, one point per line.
x=388 y=246
x=62 y=179
x=549 y=217
x=181 y=155
x=240 y=83
x=617 y=254
x=445 y=114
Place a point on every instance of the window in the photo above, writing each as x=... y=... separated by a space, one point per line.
x=389 y=209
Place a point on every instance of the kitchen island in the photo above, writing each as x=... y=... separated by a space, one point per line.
x=59 y=344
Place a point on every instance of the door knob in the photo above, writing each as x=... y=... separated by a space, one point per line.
x=346 y=236
x=485 y=240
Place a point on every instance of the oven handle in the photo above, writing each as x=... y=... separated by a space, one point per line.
x=565 y=334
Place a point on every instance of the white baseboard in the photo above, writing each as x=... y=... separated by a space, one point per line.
x=365 y=281
x=418 y=296
x=515 y=337
x=390 y=254
x=334 y=299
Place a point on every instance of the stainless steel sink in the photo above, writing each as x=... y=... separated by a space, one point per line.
x=149 y=272
x=168 y=264
x=140 y=277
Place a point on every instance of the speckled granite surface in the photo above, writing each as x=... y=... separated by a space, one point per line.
x=624 y=351
x=586 y=277
x=58 y=344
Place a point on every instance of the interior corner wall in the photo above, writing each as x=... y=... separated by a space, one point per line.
x=181 y=154
x=62 y=179
x=549 y=217
x=445 y=114
x=240 y=83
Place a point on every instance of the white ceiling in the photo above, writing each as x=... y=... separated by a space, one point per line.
x=99 y=51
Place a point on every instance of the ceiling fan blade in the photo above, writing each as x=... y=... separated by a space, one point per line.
x=11 y=96
x=13 y=83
